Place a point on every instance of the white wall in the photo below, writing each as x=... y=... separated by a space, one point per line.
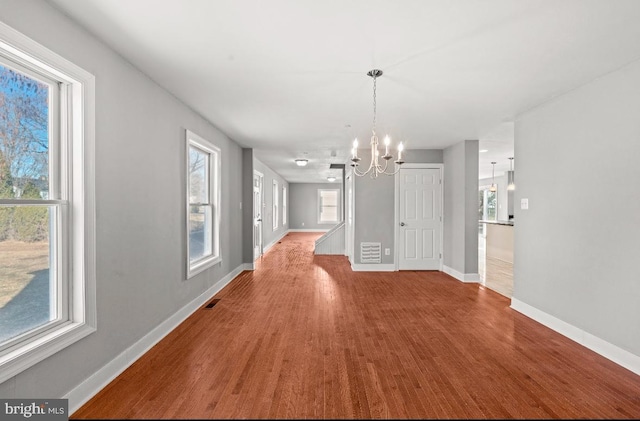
x=577 y=247
x=140 y=192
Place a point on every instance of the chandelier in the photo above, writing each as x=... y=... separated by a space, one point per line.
x=375 y=167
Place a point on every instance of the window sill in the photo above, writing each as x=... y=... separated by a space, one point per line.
x=202 y=265
x=35 y=350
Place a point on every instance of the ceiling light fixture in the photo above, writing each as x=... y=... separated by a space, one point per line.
x=376 y=168
x=301 y=162
x=493 y=178
x=331 y=179
x=510 y=183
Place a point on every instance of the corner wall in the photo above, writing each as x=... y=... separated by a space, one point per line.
x=460 y=257
x=577 y=246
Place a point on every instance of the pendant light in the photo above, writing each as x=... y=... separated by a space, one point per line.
x=493 y=178
x=510 y=183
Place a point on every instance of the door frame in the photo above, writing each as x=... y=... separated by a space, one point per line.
x=261 y=187
x=396 y=218
x=349 y=209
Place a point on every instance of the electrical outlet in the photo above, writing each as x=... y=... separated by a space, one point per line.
x=387 y=252
x=524 y=203
x=302 y=224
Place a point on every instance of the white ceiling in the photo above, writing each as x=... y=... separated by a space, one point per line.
x=288 y=78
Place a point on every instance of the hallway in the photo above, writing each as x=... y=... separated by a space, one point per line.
x=303 y=336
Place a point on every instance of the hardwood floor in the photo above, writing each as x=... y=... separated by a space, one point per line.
x=304 y=337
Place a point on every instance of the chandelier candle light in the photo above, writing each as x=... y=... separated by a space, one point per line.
x=376 y=168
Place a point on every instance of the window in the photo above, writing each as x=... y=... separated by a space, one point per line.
x=203 y=204
x=275 y=205
x=47 y=231
x=487 y=206
x=284 y=206
x=328 y=206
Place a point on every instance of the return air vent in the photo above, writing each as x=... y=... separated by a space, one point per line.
x=212 y=303
x=370 y=252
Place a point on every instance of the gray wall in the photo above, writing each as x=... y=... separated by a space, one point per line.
x=577 y=246
x=247 y=205
x=304 y=205
x=375 y=207
x=140 y=192
x=269 y=235
x=461 y=207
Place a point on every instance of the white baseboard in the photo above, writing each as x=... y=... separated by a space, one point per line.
x=463 y=277
x=274 y=242
x=80 y=394
x=373 y=267
x=308 y=230
x=608 y=350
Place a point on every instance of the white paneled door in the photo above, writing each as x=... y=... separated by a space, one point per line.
x=420 y=219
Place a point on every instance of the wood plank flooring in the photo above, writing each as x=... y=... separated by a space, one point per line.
x=304 y=337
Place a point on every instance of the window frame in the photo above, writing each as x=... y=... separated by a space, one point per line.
x=284 y=206
x=72 y=194
x=275 y=199
x=338 y=206
x=214 y=182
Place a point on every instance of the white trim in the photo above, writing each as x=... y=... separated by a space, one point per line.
x=308 y=230
x=274 y=242
x=275 y=198
x=373 y=267
x=80 y=394
x=462 y=277
x=612 y=352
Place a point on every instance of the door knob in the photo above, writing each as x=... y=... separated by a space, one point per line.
x=402 y=224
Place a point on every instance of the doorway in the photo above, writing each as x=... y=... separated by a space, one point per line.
x=419 y=217
x=258 y=179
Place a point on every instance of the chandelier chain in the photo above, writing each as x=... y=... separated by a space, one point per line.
x=374 y=103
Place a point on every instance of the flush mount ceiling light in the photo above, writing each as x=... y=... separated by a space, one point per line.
x=376 y=168
x=493 y=178
x=331 y=179
x=301 y=162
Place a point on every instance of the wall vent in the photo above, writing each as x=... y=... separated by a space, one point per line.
x=370 y=252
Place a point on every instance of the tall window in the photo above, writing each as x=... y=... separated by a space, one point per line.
x=328 y=206
x=47 y=241
x=203 y=204
x=284 y=206
x=487 y=206
x=275 y=205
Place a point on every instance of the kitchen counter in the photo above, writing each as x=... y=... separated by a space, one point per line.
x=499 y=235
x=497 y=222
